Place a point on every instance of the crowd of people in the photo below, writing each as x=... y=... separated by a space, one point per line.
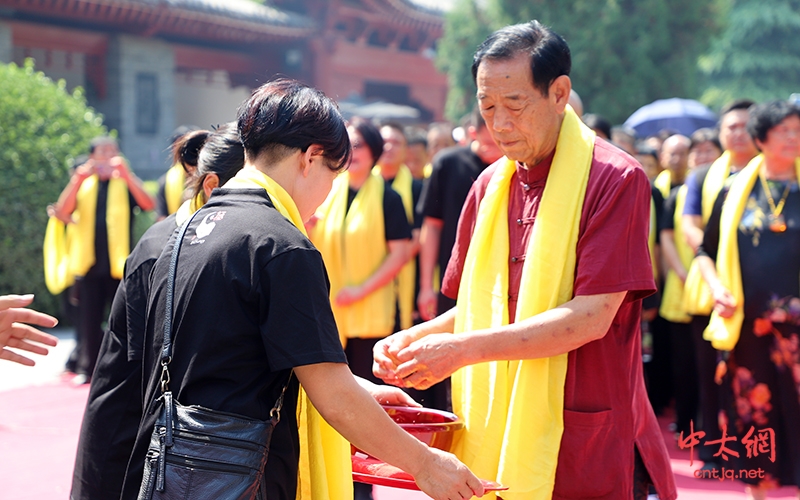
x=553 y=280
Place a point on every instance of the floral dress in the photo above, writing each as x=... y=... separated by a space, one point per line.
x=761 y=375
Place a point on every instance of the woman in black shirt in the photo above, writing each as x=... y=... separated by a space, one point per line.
x=753 y=236
x=251 y=299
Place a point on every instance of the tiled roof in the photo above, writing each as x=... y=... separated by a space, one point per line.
x=433 y=6
x=245 y=10
x=235 y=21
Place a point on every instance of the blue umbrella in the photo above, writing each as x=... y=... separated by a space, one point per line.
x=680 y=115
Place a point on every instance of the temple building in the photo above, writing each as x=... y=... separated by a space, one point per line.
x=151 y=65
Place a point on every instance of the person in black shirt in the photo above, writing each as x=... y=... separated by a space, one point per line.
x=754 y=232
x=114 y=406
x=362 y=267
x=443 y=195
x=251 y=300
x=97 y=278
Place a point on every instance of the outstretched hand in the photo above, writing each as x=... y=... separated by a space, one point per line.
x=445 y=478
x=387 y=395
x=384 y=357
x=15 y=333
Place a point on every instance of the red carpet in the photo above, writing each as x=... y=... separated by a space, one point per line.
x=38 y=437
x=39 y=432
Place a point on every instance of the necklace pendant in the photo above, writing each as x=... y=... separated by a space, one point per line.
x=777 y=224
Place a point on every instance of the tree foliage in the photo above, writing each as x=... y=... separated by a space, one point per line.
x=466 y=26
x=42 y=129
x=757 y=55
x=625 y=53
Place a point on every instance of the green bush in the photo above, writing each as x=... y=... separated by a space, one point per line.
x=42 y=129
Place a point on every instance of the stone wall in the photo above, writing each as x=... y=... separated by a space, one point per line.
x=6 y=44
x=140 y=101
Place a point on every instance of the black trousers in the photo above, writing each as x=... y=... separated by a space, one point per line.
x=710 y=396
x=95 y=293
x=684 y=376
x=658 y=372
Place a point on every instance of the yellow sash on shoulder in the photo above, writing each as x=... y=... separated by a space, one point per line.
x=723 y=333
x=405 y=278
x=672 y=300
x=174 y=186
x=69 y=249
x=351 y=243
x=325 y=470
x=57 y=239
x=697 y=298
x=513 y=410
x=663 y=183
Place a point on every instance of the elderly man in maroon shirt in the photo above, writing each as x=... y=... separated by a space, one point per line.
x=611 y=446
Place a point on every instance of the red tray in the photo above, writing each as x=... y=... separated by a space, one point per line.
x=372 y=471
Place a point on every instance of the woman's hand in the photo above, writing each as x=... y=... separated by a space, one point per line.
x=387 y=395
x=348 y=295
x=724 y=303
x=443 y=477
x=14 y=333
x=351 y=410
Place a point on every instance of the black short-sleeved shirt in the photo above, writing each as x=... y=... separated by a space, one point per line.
x=654 y=300
x=395 y=221
x=114 y=407
x=769 y=260
x=658 y=201
x=443 y=194
x=416 y=191
x=102 y=264
x=251 y=303
x=668 y=213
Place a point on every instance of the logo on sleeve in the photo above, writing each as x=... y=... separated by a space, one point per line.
x=207 y=225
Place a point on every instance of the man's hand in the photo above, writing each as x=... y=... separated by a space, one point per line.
x=428 y=361
x=445 y=478
x=384 y=356
x=13 y=333
x=426 y=303
x=724 y=303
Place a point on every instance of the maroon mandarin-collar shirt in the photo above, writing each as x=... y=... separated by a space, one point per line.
x=606 y=410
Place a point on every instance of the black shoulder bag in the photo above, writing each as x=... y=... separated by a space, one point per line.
x=196 y=452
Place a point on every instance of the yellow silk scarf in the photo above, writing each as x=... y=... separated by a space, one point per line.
x=405 y=279
x=57 y=239
x=513 y=410
x=664 y=183
x=697 y=298
x=174 y=186
x=672 y=300
x=325 y=470
x=353 y=247
x=80 y=236
x=715 y=179
x=723 y=333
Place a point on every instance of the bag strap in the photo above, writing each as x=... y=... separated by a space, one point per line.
x=166 y=350
x=275 y=412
